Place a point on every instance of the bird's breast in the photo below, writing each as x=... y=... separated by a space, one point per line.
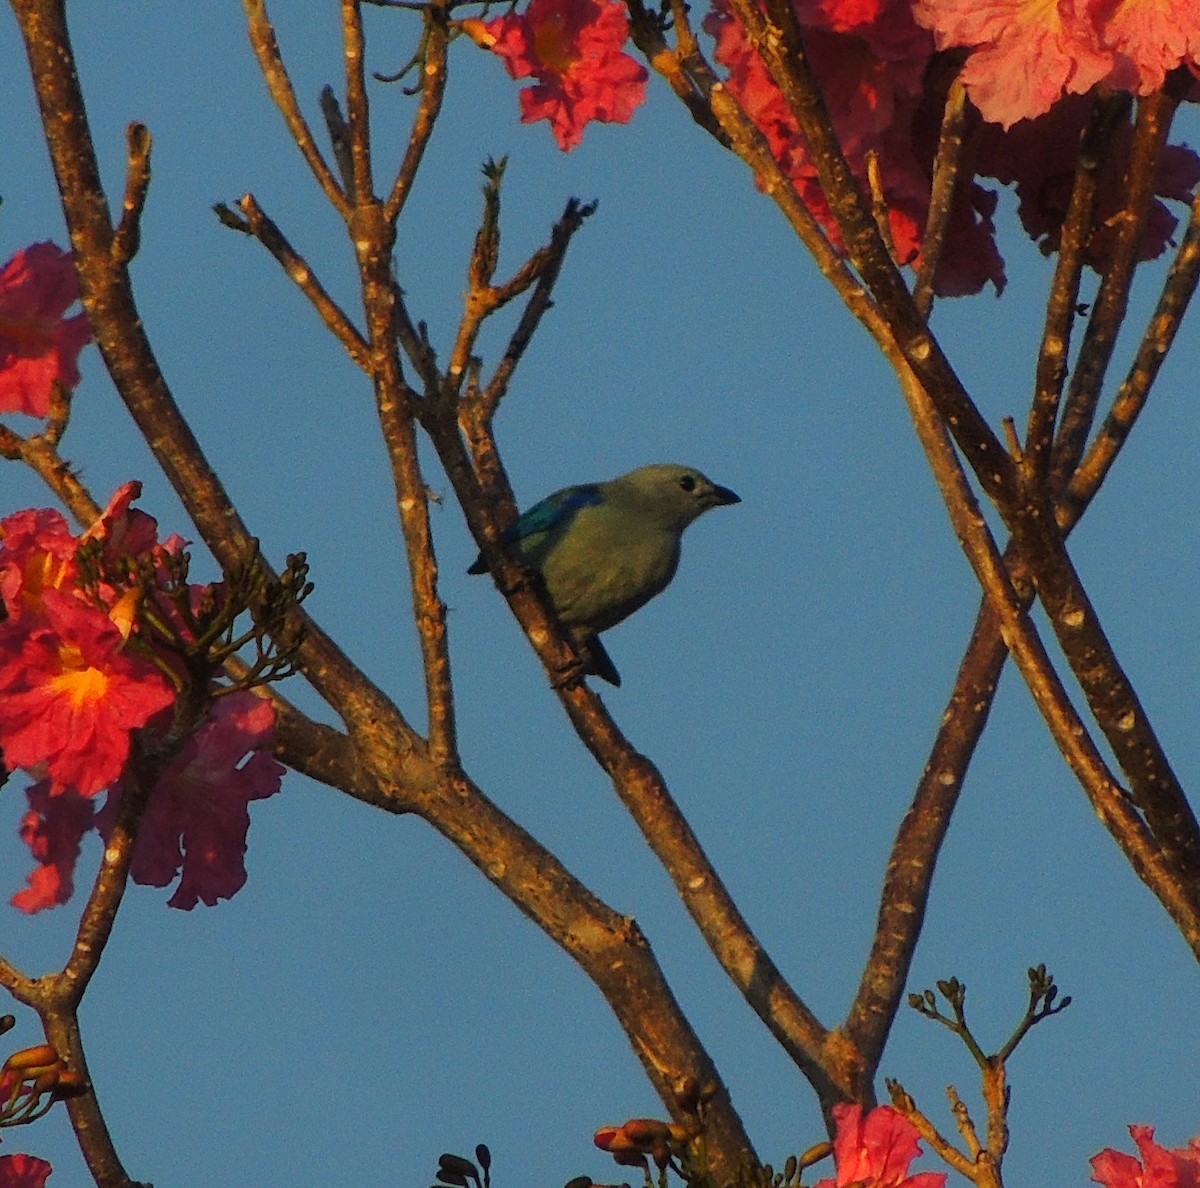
x=605 y=569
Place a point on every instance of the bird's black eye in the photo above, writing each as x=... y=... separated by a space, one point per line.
x=688 y=482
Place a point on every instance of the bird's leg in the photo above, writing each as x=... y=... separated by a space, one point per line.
x=571 y=674
x=527 y=578
x=591 y=659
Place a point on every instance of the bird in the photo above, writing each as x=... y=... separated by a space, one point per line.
x=603 y=550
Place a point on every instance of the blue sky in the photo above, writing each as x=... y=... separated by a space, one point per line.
x=368 y=1001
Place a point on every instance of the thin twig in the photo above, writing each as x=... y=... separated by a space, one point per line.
x=542 y=271
x=482 y=298
x=414 y=341
x=65 y=990
x=1178 y=290
x=429 y=611
x=1108 y=312
x=945 y=1150
x=267 y=232
x=911 y=863
x=339 y=139
x=1095 y=143
x=396 y=405
x=374 y=236
x=270 y=62
x=41 y=455
x=780 y=43
x=137 y=182
x=358 y=112
x=942 y=195
x=645 y=30
x=433 y=89
x=879 y=206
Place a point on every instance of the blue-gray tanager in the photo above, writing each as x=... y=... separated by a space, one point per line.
x=603 y=550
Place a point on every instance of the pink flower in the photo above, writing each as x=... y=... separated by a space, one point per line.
x=70 y=696
x=1150 y=38
x=574 y=49
x=1163 y=1169
x=53 y=829
x=126 y=531
x=875 y=1151
x=38 y=346
x=195 y=823
x=1028 y=53
x=38 y=550
x=197 y=819
x=37 y=553
x=871 y=60
x=23 y=1171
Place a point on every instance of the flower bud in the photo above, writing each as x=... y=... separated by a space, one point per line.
x=32 y=1060
x=477 y=31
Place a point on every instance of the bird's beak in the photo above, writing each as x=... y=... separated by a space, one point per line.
x=723 y=495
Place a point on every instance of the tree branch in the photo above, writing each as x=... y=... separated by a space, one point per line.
x=270 y=62
x=1178 y=290
x=778 y=40
x=433 y=90
x=256 y=222
x=1108 y=313
x=942 y=194
x=108 y=299
x=1064 y=291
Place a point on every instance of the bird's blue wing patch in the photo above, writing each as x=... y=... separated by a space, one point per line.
x=535 y=531
x=541 y=525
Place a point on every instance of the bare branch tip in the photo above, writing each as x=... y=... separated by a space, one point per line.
x=229 y=218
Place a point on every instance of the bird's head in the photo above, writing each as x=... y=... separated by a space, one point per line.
x=674 y=495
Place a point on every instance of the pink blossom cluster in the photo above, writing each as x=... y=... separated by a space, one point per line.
x=1157 y=1168
x=79 y=677
x=574 y=51
x=1028 y=54
x=885 y=90
x=39 y=347
x=1030 y=66
x=875 y=1150
x=870 y=59
x=23 y=1171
